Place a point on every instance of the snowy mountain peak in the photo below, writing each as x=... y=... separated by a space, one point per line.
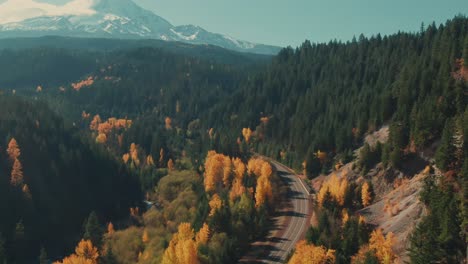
x=109 y=19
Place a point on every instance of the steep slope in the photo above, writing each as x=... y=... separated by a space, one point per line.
x=110 y=19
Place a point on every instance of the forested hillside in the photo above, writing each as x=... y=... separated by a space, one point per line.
x=51 y=179
x=104 y=130
x=327 y=96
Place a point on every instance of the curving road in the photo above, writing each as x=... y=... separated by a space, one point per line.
x=290 y=223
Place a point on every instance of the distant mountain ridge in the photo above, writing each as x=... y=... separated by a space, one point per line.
x=121 y=19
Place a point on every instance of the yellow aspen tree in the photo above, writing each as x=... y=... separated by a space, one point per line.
x=237 y=189
x=85 y=253
x=382 y=245
x=345 y=217
x=101 y=138
x=247 y=133
x=84 y=115
x=13 y=150
x=322 y=156
x=110 y=228
x=213 y=171
x=266 y=170
x=168 y=123
x=170 y=165
x=322 y=193
x=105 y=128
x=134 y=154
x=263 y=191
x=311 y=254
x=16 y=174
x=203 y=235
x=254 y=167
x=26 y=192
x=125 y=158
x=182 y=247
x=239 y=168
x=365 y=194
x=215 y=204
x=149 y=160
x=145 y=236
x=95 y=123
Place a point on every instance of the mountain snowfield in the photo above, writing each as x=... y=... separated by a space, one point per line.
x=107 y=19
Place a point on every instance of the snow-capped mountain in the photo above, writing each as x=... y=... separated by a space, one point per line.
x=109 y=19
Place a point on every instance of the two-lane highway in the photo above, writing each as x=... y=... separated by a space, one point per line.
x=292 y=222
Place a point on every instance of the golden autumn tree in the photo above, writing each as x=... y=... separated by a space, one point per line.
x=145 y=236
x=16 y=174
x=26 y=192
x=365 y=194
x=125 y=158
x=182 y=247
x=101 y=138
x=247 y=133
x=237 y=189
x=264 y=191
x=170 y=165
x=95 y=123
x=13 y=149
x=149 y=160
x=311 y=254
x=215 y=204
x=134 y=154
x=110 y=228
x=85 y=253
x=168 y=123
x=344 y=217
x=214 y=171
x=203 y=235
x=382 y=245
x=239 y=168
x=337 y=188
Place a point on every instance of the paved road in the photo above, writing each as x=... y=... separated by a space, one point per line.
x=290 y=224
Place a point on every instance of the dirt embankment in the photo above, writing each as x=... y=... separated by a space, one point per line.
x=396 y=206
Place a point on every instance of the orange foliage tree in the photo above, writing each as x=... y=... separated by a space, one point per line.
x=16 y=174
x=168 y=123
x=101 y=138
x=214 y=170
x=13 y=149
x=85 y=253
x=170 y=165
x=365 y=194
x=94 y=125
x=379 y=245
x=182 y=248
x=311 y=254
x=247 y=133
x=203 y=235
x=145 y=236
x=215 y=204
x=337 y=188
x=110 y=228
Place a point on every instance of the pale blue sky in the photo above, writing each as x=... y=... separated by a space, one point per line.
x=290 y=22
